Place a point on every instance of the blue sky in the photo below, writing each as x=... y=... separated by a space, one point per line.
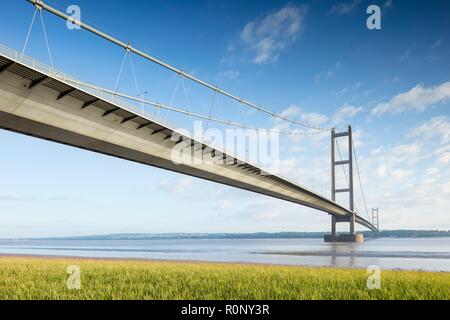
x=314 y=61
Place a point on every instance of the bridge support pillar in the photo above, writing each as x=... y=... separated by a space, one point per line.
x=352 y=223
x=351 y=236
x=345 y=237
x=333 y=226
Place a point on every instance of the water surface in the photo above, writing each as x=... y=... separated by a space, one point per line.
x=430 y=254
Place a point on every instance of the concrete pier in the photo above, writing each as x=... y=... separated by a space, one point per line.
x=345 y=237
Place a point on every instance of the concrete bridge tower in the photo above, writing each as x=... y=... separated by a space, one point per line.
x=352 y=236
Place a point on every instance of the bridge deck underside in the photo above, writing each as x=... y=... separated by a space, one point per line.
x=35 y=103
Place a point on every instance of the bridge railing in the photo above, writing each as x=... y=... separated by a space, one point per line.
x=74 y=82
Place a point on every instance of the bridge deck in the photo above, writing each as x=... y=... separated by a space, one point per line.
x=38 y=100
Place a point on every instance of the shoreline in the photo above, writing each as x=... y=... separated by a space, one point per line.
x=200 y=262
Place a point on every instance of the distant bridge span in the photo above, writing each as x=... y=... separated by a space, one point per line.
x=39 y=101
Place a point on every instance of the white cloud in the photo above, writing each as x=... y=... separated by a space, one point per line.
x=443 y=155
x=225 y=204
x=327 y=74
x=400 y=174
x=267 y=37
x=406 y=150
x=294 y=112
x=230 y=74
x=387 y=4
x=291 y=111
x=345 y=112
x=313 y=118
x=323 y=75
x=181 y=185
x=436 y=44
x=432 y=171
x=342 y=8
x=418 y=98
x=444 y=158
x=316 y=119
x=410 y=179
x=446 y=188
x=437 y=127
x=352 y=88
x=381 y=171
x=406 y=55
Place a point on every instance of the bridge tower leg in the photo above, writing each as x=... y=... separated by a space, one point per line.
x=350 y=180
x=351 y=236
x=376 y=220
x=333 y=182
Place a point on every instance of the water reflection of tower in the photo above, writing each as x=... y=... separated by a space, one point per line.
x=334 y=248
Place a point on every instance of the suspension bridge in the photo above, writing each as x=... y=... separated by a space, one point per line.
x=40 y=101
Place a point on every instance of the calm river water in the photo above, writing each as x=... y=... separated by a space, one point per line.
x=431 y=254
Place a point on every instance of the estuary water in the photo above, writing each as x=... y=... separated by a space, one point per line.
x=428 y=254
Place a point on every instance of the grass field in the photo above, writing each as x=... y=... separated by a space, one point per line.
x=46 y=278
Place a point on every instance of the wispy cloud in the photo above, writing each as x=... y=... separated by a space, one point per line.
x=327 y=74
x=435 y=128
x=228 y=75
x=313 y=118
x=406 y=55
x=388 y=4
x=291 y=111
x=181 y=185
x=345 y=112
x=436 y=44
x=418 y=98
x=225 y=204
x=267 y=37
x=355 y=87
x=342 y=8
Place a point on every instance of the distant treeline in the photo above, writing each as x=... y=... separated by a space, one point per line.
x=411 y=233
x=258 y=235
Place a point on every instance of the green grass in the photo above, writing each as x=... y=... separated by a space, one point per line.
x=45 y=278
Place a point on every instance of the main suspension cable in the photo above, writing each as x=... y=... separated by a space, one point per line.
x=174 y=69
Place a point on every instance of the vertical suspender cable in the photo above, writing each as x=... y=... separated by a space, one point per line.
x=46 y=38
x=29 y=32
x=185 y=95
x=343 y=168
x=120 y=71
x=360 y=182
x=210 y=110
x=134 y=75
x=172 y=97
